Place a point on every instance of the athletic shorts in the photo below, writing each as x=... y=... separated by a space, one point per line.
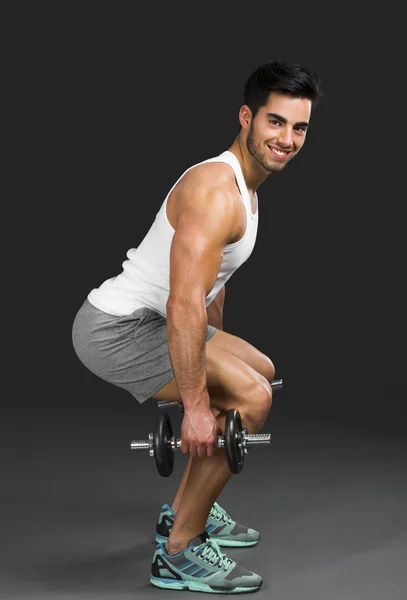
x=130 y=352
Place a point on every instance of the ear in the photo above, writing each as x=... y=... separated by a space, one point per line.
x=245 y=116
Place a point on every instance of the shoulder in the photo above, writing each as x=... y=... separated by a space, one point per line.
x=218 y=173
x=208 y=188
x=212 y=182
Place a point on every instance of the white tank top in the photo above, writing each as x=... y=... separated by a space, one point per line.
x=144 y=280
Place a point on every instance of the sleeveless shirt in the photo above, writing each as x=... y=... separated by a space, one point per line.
x=144 y=280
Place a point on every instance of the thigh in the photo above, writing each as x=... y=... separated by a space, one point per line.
x=245 y=351
x=230 y=380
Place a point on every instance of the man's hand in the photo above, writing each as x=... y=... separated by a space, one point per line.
x=199 y=433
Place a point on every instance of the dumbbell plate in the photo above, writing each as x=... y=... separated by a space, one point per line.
x=163 y=452
x=233 y=439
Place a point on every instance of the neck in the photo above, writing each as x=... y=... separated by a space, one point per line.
x=253 y=173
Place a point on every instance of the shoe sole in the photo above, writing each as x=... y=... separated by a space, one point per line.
x=222 y=543
x=170 y=584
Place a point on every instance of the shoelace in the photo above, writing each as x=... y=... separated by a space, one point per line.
x=214 y=556
x=219 y=513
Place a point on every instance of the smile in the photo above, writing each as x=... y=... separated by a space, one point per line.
x=278 y=153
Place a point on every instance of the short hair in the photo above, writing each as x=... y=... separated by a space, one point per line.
x=289 y=79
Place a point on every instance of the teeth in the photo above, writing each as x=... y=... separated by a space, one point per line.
x=279 y=152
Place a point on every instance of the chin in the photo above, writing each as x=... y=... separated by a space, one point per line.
x=275 y=167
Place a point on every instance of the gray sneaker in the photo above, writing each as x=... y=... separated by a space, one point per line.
x=220 y=526
x=201 y=567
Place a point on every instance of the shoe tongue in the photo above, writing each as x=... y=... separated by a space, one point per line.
x=199 y=539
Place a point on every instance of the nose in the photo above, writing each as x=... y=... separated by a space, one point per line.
x=285 y=137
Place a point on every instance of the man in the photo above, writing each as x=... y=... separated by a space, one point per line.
x=156 y=328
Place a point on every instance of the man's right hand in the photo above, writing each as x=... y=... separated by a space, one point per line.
x=199 y=433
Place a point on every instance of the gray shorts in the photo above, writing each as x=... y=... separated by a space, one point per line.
x=130 y=352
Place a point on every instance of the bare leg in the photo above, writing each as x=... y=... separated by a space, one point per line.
x=207 y=477
x=232 y=383
x=177 y=499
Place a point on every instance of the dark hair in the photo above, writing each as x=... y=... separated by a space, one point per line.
x=290 y=79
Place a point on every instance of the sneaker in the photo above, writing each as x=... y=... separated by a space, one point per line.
x=220 y=526
x=201 y=567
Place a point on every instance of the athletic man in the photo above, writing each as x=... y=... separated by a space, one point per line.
x=156 y=328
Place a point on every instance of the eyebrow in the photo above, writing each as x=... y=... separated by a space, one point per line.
x=284 y=120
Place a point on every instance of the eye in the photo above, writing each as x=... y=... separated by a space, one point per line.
x=301 y=130
x=274 y=122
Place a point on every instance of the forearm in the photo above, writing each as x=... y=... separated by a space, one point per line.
x=186 y=331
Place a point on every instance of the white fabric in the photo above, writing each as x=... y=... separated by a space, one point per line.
x=144 y=280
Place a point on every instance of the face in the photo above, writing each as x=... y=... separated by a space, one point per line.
x=277 y=132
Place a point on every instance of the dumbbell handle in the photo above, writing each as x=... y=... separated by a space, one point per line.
x=248 y=439
x=277 y=384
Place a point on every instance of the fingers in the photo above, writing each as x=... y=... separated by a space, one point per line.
x=190 y=448
x=199 y=435
x=211 y=450
x=201 y=450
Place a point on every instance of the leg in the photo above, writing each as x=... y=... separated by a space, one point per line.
x=177 y=499
x=234 y=345
x=246 y=352
x=232 y=383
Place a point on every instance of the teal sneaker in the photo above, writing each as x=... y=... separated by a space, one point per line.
x=201 y=567
x=220 y=526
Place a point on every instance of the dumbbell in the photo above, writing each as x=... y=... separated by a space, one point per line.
x=276 y=385
x=161 y=444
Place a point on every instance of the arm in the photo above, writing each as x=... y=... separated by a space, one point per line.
x=215 y=309
x=204 y=226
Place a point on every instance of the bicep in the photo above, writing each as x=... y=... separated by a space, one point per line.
x=203 y=230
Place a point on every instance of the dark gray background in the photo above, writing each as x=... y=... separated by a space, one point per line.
x=115 y=104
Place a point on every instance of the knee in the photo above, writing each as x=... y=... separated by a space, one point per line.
x=257 y=406
x=269 y=370
x=264 y=397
